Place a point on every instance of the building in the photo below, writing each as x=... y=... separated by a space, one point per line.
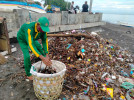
x=10 y=5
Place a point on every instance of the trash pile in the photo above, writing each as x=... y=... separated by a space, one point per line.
x=96 y=68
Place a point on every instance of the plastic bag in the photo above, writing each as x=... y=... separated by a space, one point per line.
x=127 y=85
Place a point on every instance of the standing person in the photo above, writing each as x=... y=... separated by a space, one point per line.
x=72 y=7
x=76 y=9
x=27 y=37
x=85 y=7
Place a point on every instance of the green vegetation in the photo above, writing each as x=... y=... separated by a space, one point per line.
x=38 y=3
x=61 y=3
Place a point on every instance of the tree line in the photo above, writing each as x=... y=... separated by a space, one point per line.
x=64 y=5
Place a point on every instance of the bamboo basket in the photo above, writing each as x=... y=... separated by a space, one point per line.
x=48 y=86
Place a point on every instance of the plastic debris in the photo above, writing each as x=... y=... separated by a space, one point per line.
x=127 y=85
x=109 y=80
x=73 y=31
x=130 y=94
x=82 y=50
x=86 y=91
x=123 y=79
x=92 y=61
x=110 y=92
x=132 y=66
x=27 y=80
x=69 y=46
x=104 y=75
x=64 y=99
x=131 y=72
x=89 y=59
x=94 y=33
x=124 y=73
x=113 y=77
x=122 y=97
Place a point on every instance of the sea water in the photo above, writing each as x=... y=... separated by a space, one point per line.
x=116 y=18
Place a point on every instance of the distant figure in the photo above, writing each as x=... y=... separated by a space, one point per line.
x=85 y=7
x=72 y=8
x=77 y=10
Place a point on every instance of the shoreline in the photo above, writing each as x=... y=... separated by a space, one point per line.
x=120 y=24
x=118 y=18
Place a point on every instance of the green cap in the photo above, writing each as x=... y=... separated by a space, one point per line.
x=44 y=23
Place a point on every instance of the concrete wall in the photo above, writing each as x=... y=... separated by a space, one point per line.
x=58 y=21
x=10 y=16
x=24 y=16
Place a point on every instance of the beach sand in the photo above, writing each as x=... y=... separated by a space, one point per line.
x=14 y=86
x=121 y=35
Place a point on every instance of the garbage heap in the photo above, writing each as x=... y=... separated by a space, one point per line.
x=96 y=67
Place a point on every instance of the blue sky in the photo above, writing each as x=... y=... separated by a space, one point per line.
x=108 y=6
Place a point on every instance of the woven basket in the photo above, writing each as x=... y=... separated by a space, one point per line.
x=48 y=86
x=128 y=96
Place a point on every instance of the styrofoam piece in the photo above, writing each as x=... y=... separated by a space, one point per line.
x=6 y=52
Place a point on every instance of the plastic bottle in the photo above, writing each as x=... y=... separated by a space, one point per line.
x=132 y=69
x=124 y=73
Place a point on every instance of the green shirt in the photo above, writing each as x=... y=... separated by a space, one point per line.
x=29 y=33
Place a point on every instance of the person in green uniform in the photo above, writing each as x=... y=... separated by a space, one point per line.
x=27 y=37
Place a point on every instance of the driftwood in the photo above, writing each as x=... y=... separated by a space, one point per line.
x=69 y=35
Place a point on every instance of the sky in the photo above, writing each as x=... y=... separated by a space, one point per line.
x=108 y=6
